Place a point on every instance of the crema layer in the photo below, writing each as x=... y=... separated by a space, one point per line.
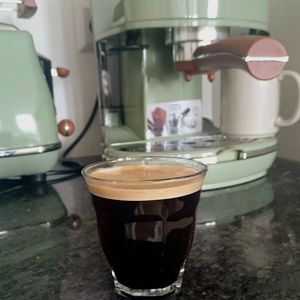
x=144 y=182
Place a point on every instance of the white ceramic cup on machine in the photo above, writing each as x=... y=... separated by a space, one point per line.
x=250 y=107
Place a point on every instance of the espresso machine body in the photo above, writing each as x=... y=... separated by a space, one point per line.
x=150 y=53
x=29 y=142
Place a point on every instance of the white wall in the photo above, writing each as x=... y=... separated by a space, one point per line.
x=285 y=25
x=57 y=32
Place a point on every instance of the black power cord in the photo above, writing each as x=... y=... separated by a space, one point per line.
x=68 y=162
x=74 y=168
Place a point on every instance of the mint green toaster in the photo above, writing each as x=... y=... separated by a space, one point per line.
x=28 y=131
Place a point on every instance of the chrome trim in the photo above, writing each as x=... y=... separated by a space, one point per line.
x=29 y=150
x=244 y=58
x=213 y=54
x=242 y=155
x=266 y=58
x=186 y=40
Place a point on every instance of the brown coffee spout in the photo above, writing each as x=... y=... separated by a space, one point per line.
x=263 y=57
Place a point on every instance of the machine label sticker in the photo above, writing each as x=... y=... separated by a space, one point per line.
x=172 y=118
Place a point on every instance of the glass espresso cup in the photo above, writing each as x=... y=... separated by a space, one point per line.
x=146 y=212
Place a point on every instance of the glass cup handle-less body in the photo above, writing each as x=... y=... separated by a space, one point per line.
x=146 y=214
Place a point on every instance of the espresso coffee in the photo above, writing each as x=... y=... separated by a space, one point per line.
x=145 y=221
x=146 y=242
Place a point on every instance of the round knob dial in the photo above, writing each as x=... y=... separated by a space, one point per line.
x=66 y=127
x=62 y=72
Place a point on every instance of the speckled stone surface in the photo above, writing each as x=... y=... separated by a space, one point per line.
x=246 y=245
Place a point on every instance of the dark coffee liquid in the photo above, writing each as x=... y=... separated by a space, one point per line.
x=146 y=242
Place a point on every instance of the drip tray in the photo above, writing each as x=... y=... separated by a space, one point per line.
x=184 y=144
x=230 y=161
x=209 y=148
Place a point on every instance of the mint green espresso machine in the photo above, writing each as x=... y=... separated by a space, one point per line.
x=150 y=54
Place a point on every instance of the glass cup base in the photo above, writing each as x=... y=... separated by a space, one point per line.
x=123 y=290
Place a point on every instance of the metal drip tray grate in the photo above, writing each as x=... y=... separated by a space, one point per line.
x=231 y=161
x=186 y=144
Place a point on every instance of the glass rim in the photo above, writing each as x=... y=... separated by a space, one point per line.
x=201 y=166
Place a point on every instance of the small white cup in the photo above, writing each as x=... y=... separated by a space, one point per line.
x=250 y=107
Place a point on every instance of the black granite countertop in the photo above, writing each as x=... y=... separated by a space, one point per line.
x=246 y=245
